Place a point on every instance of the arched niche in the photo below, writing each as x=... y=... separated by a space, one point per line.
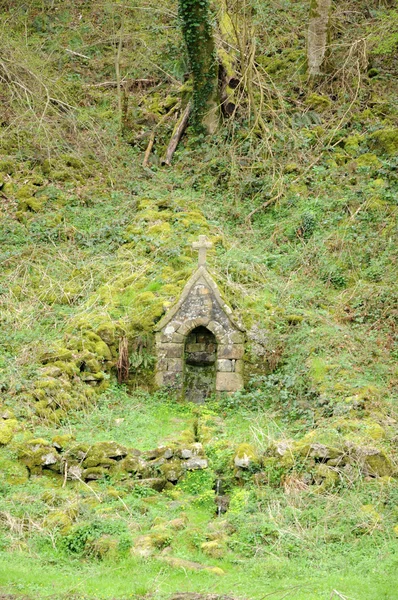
x=200 y=364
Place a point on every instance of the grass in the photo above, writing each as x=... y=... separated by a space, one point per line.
x=279 y=578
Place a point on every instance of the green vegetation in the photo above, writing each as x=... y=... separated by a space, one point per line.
x=298 y=193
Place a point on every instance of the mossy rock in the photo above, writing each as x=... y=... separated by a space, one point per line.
x=56 y=354
x=31 y=204
x=94 y=473
x=107 y=333
x=246 y=456
x=318 y=102
x=62 y=441
x=375 y=463
x=135 y=465
x=326 y=477
x=7 y=429
x=385 y=141
x=213 y=548
x=172 y=470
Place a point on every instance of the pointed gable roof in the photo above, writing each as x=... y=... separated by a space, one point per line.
x=200 y=273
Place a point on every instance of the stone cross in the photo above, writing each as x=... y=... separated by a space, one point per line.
x=202 y=245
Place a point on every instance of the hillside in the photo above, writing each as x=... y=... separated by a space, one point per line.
x=287 y=488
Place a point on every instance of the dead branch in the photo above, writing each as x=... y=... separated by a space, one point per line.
x=177 y=134
x=153 y=134
x=76 y=53
x=128 y=84
x=148 y=149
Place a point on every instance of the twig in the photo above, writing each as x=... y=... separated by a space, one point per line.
x=149 y=149
x=76 y=53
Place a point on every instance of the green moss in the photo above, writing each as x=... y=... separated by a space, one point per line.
x=102 y=351
x=385 y=141
x=368 y=160
x=318 y=102
x=11 y=471
x=7 y=429
x=378 y=464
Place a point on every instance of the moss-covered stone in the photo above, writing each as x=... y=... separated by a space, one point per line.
x=7 y=429
x=246 y=456
x=172 y=470
x=385 y=141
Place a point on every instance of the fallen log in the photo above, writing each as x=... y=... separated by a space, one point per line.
x=177 y=134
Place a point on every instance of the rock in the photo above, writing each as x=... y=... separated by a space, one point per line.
x=6 y=413
x=245 y=456
x=94 y=473
x=134 y=464
x=49 y=459
x=7 y=428
x=178 y=524
x=172 y=470
x=60 y=442
x=154 y=483
x=104 y=546
x=196 y=463
x=186 y=453
x=374 y=462
x=74 y=472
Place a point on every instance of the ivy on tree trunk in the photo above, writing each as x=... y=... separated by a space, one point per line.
x=198 y=36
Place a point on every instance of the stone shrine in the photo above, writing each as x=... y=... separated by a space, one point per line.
x=199 y=345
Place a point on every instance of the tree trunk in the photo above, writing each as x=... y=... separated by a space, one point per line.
x=198 y=35
x=318 y=33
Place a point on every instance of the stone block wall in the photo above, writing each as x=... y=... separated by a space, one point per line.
x=200 y=310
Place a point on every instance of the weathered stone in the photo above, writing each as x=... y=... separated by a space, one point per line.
x=175 y=365
x=229 y=382
x=194 y=463
x=225 y=366
x=154 y=483
x=172 y=350
x=239 y=366
x=230 y=351
x=74 y=472
x=49 y=459
x=186 y=453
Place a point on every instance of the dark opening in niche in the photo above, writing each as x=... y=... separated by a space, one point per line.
x=200 y=365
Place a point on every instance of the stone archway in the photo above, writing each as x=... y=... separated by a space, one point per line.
x=200 y=358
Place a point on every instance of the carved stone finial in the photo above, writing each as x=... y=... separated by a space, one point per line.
x=202 y=246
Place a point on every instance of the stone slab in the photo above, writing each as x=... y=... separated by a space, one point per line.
x=229 y=382
x=230 y=351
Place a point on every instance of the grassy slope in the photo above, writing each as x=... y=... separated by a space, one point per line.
x=315 y=271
